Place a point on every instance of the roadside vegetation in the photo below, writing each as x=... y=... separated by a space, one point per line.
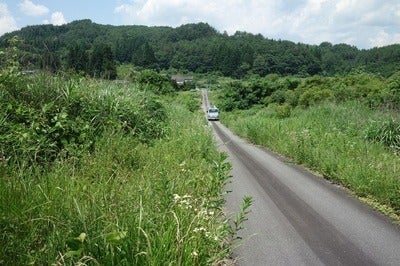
x=125 y=172
x=345 y=128
x=94 y=172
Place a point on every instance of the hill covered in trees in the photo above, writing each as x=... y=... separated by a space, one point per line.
x=94 y=49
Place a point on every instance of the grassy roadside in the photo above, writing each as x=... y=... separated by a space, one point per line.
x=333 y=140
x=147 y=192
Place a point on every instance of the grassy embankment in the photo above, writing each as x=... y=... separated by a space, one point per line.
x=335 y=140
x=102 y=173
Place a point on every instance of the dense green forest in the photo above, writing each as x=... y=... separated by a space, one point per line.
x=95 y=49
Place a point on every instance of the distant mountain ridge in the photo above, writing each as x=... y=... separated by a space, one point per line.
x=197 y=48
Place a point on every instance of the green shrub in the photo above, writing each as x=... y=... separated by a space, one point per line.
x=314 y=96
x=394 y=89
x=45 y=116
x=283 y=111
x=191 y=100
x=157 y=83
x=278 y=96
x=386 y=132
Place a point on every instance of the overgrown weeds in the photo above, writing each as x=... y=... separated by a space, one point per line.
x=386 y=132
x=44 y=117
x=104 y=173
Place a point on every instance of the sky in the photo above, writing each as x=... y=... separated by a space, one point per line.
x=361 y=23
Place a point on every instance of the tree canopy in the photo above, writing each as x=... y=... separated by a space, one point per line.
x=191 y=47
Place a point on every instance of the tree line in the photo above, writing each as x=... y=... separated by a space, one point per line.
x=372 y=90
x=95 y=49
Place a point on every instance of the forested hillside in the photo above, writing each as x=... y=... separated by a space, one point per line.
x=95 y=49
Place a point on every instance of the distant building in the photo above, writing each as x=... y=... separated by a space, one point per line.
x=181 y=80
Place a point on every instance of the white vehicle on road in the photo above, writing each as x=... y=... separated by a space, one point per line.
x=213 y=113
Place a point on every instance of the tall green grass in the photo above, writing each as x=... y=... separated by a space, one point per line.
x=342 y=142
x=148 y=192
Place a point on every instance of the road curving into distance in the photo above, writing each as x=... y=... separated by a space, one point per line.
x=298 y=218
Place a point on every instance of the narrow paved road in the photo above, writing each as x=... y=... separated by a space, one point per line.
x=298 y=218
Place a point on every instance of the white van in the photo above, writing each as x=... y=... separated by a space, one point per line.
x=213 y=113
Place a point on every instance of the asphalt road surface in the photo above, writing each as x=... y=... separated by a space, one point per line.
x=298 y=218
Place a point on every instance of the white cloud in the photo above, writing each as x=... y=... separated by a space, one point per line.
x=382 y=38
x=7 y=21
x=57 y=18
x=122 y=9
x=343 y=21
x=30 y=9
x=225 y=15
x=363 y=23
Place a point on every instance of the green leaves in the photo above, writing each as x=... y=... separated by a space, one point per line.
x=241 y=216
x=372 y=90
x=45 y=118
x=116 y=237
x=386 y=132
x=76 y=245
x=157 y=83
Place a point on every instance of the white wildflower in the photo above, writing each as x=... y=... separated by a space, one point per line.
x=176 y=197
x=199 y=229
